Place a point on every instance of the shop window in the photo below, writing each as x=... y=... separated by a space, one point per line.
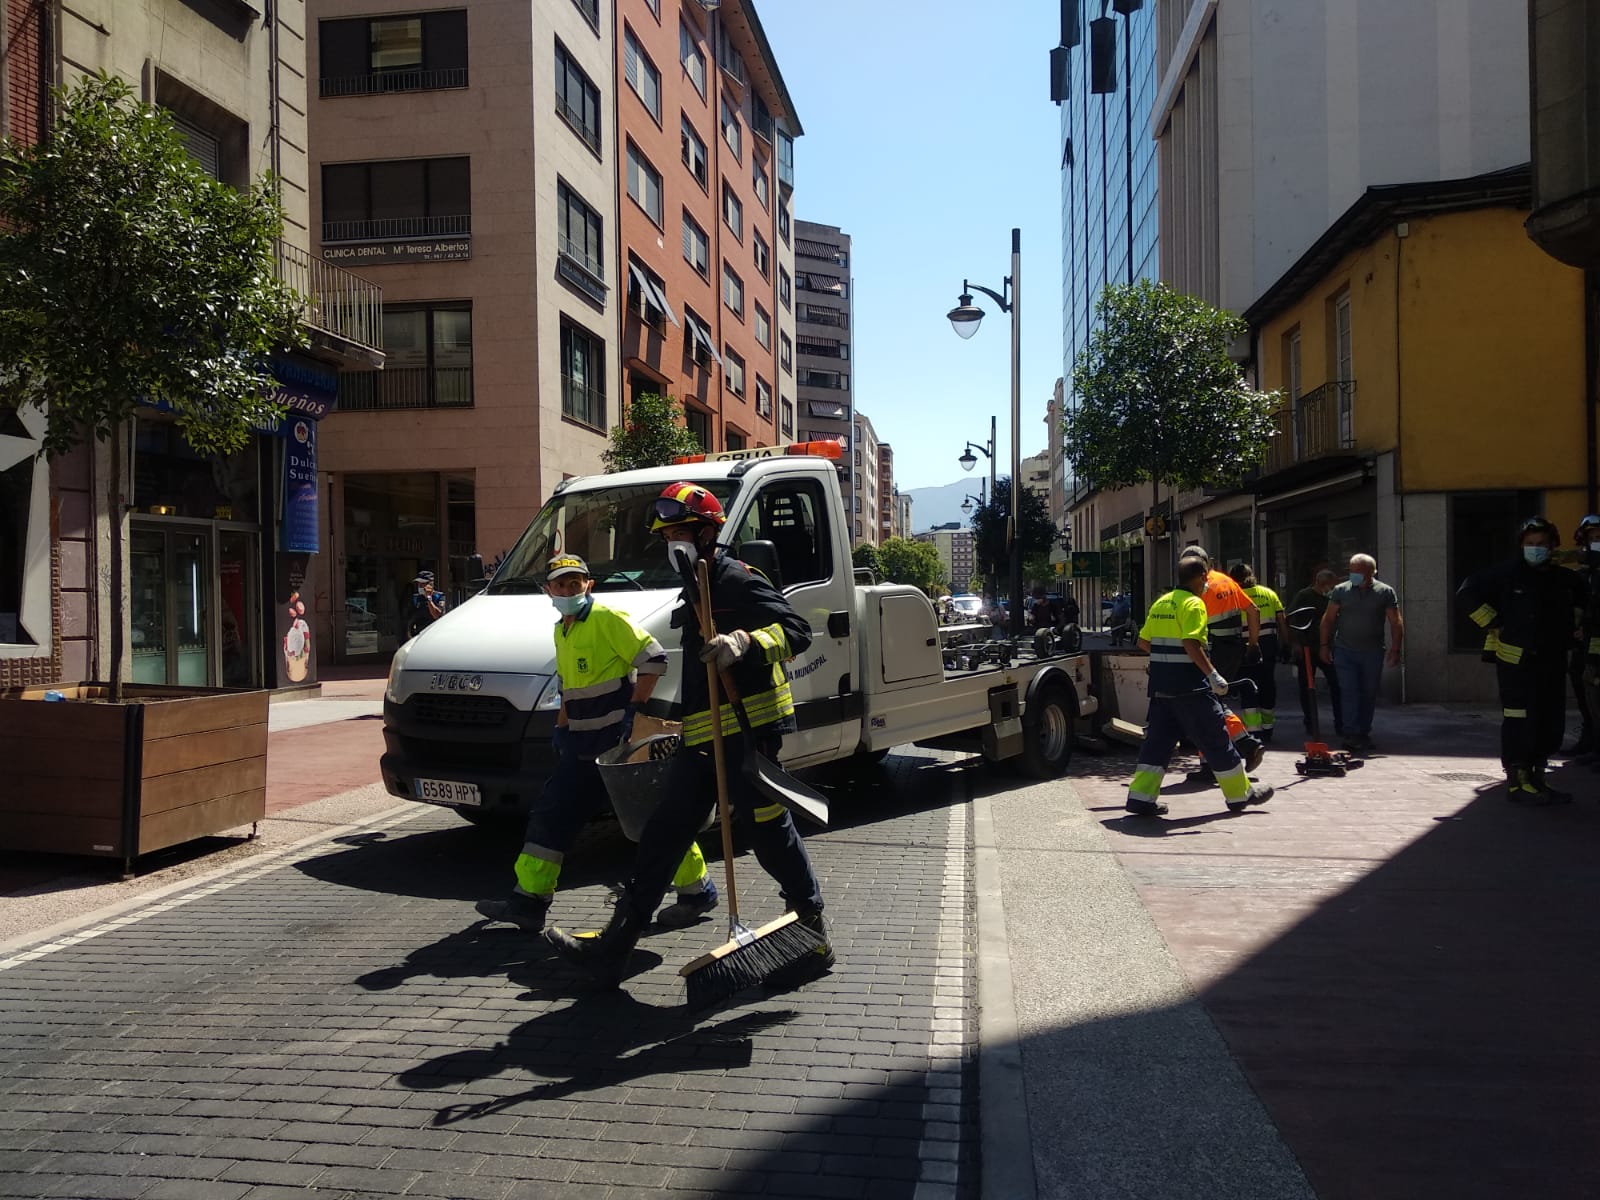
x=583 y=375
x=404 y=198
x=411 y=52
x=428 y=361
x=1483 y=531
x=24 y=536
x=172 y=479
x=391 y=532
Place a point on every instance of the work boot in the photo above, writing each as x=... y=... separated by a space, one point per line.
x=1517 y=789
x=1251 y=750
x=1146 y=808
x=818 y=962
x=688 y=908
x=1201 y=774
x=1541 y=793
x=602 y=955
x=527 y=913
x=1258 y=794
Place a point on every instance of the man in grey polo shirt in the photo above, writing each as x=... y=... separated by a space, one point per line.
x=1353 y=643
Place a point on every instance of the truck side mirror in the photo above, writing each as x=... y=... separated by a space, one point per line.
x=475 y=570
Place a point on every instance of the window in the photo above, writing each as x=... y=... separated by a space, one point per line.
x=577 y=99
x=591 y=11
x=427 y=361
x=727 y=57
x=401 y=198
x=763 y=398
x=786 y=418
x=836 y=380
x=761 y=118
x=647 y=295
x=732 y=211
x=644 y=183
x=1343 y=366
x=730 y=127
x=784 y=294
x=785 y=160
x=783 y=224
x=732 y=290
x=732 y=439
x=698 y=422
x=417 y=52
x=696 y=246
x=763 y=254
x=786 y=353
x=25 y=600
x=789 y=513
x=733 y=371
x=581 y=233
x=642 y=75
x=759 y=179
x=583 y=375
x=654 y=7
x=692 y=57
x=763 y=327
x=694 y=153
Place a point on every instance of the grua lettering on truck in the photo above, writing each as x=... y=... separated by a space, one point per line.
x=471 y=701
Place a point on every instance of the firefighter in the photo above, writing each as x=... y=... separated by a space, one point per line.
x=1586 y=543
x=1533 y=608
x=757 y=632
x=1260 y=713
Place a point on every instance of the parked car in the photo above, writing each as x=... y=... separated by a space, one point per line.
x=965 y=608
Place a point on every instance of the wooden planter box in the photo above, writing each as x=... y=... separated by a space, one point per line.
x=164 y=766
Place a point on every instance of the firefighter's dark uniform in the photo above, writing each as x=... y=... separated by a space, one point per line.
x=1584 y=653
x=740 y=599
x=1531 y=614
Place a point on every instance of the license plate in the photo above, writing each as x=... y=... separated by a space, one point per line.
x=447 y=791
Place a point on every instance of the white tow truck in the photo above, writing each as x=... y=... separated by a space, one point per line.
x=471 y=701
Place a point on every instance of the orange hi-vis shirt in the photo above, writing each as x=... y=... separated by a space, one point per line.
x=1226 y=606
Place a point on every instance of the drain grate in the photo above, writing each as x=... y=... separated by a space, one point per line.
x=1464 y=777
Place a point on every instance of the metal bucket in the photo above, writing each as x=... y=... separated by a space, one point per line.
x=636 y=788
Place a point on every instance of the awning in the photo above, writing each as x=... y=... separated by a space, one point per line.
x=702 y=335
x=1338 y=483
x=651 y=293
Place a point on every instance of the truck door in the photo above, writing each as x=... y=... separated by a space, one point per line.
x=791 y=512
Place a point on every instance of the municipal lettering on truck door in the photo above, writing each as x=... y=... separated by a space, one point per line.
x=790 y=512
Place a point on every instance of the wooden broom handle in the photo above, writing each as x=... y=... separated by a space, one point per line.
x=708 y=630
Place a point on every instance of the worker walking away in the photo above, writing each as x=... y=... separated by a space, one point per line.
x=1533 y=609
x=599 y=651
x=1260 y=712
x=1183 y=687
x=1234 y=629
x=1587 y=544
x=757 y=632
x=1315 y=597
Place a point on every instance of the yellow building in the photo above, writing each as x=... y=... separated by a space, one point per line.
x=1432 y=363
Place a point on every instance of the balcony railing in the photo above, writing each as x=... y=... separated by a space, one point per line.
x=810 y=314
x=409 y=80
x=1317 y=424
x=405 y=387
x=337 y=302
x=396 y=228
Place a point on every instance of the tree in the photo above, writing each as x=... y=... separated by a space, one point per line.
x=652 y=434
x=1158 y=399
x=866 y=555
x=130 y=276
x=989 y=523
x=908 y=561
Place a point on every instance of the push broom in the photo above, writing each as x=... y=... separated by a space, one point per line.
x=750 y=956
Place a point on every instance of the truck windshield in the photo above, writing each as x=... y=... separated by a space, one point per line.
x=609 y=528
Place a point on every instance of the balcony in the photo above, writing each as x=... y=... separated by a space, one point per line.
x=382 y=229
x=1319 y=424
x=405 y=387
x=810 y=314
x=344 y=308
x=408 y=79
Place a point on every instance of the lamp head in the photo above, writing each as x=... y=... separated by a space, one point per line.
x=968 y=460
x=966 y=506
x=966 y=316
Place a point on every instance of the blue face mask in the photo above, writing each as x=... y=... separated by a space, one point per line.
x=1535 y=555
x=1357 y=579
x=571 y=606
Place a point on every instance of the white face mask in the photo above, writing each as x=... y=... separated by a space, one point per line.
x=682 y=556
x=1594 y=547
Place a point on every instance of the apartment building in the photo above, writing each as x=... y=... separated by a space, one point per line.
x=706 y=171
x=822 y=288
x=902 y=525
x=886 y=494
x=211 y=551
x=957 y=556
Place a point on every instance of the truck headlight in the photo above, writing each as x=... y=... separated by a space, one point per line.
x=550 y=698
x=396 y=665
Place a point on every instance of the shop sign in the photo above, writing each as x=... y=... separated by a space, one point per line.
x=1086 y=564
x=304 y=390
x=296 y=657
x=299 y=532
x=366 y=254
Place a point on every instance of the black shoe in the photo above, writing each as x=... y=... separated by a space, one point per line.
x=1352 y=746
x=1258 y=794
x=1251 y=750
x=1541 y=793
x=603 y=955
x=1146 y=808
x=525 y=912
x=819 y=962
x=1201 y=774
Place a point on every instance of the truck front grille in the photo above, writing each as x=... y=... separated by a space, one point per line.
x=478 y=712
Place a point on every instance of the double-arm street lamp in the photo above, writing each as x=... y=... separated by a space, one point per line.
x=964 y=319
x=968 y=459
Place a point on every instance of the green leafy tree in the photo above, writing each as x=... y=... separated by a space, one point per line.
x=989 y=525
x=652 y=434
x=130 y=275
x=913 y=562
x=866 y=555
x=1158 y=399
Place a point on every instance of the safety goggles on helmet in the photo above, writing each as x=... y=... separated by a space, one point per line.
x=681 y=504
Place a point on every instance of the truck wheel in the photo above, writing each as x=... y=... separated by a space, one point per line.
x=1047 y=733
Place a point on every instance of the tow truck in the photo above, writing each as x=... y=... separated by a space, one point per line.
x=470 y=703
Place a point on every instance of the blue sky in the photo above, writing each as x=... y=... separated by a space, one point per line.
x=929 y=135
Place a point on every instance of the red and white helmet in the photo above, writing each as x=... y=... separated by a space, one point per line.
x=684 y=502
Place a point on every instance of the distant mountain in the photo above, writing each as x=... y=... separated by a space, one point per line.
x=932 y=506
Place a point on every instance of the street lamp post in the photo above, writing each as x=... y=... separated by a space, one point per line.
x=964 y=319
x=968 y=460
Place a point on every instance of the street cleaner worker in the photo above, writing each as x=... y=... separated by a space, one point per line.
x=1533 y=609
x=757 y=632
x=1184 y=686
x=1234 y=627
x=598 y=652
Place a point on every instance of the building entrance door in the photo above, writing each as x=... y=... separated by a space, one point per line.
x=170 y=605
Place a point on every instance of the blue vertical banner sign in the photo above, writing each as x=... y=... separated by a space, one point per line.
x=299 y=532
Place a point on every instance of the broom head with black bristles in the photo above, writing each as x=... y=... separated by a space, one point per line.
x=748 y=959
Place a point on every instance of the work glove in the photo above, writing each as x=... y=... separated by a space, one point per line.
x=725 y=649
x=1219 y=685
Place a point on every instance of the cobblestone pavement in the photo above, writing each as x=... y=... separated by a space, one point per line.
x=337 y=1020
